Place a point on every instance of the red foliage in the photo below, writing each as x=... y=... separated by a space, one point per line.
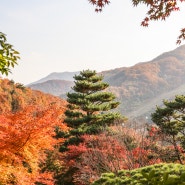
x=109 y=153
x=168 y=151
x=24 y=138
x=75 y=151
x=99 y=4
x=121 y=148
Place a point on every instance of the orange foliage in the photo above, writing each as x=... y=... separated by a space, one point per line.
x=15 y=97
x=24 y=138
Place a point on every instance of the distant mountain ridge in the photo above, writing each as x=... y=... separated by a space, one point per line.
x=141 y=87
x=67 y=76
x=54 y=87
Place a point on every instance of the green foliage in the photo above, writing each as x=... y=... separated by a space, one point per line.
x=158 y=174
x=15 y=105
x=88 y=112
x=171 y=118
x=20 y=86
x=8 y=56
x=171 y=121
x=89 y=105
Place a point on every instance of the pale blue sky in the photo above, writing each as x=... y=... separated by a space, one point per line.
x=67 y=35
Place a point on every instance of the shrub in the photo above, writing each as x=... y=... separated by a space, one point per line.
x=158 y=174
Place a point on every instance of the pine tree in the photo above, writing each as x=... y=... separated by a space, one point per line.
x=88 y=112
x=89 y=105
x=171 y=121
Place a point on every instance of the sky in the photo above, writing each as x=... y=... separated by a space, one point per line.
x=67 y=35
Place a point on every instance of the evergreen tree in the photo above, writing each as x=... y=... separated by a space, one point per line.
x=171 y=120
x=88 y=112
x=89 y=105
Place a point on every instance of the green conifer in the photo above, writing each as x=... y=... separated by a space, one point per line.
x=88 y=112
x=89 y=104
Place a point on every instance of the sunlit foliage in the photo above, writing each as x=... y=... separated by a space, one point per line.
x=8 y=55
x=24 y=138
x=166 y=174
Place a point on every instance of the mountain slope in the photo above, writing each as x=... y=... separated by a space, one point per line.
x=143 y=86
x=55 y=87
x=138 y=85
x=67 y=76
x=15 y=97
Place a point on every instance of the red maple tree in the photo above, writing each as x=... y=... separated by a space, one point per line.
x=24 y=138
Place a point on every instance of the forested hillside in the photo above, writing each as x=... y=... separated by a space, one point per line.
x=15 y=97
x=28 y=120
x=46 y=140
x=139 y=88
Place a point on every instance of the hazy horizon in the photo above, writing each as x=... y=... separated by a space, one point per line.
x=59 y=36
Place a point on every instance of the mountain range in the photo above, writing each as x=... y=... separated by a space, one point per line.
x=139 y=88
